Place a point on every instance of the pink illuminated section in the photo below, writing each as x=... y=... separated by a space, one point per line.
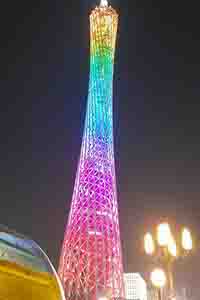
x=91 y=263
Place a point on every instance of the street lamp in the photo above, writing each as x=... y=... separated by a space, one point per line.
x=165 y=250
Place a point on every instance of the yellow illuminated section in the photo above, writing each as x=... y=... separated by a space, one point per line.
x=21 y=283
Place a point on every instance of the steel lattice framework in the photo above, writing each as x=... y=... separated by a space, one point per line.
x=91 y=263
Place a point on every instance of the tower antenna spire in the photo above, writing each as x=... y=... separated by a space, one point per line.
x=103 y=3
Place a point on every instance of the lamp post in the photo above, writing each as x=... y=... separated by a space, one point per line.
x=164 y=249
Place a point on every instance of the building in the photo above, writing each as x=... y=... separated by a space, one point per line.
x=90 y=264
x=135 y=287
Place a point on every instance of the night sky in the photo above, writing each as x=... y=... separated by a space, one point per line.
x=44 y=65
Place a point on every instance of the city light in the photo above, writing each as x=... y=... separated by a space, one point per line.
x=149 y=244
x=163 y=234
x=158 y=278
x=186 y=239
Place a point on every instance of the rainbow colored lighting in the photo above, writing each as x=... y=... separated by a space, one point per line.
x=91 y=263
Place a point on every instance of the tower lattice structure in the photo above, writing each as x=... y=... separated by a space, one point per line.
x=91 y=262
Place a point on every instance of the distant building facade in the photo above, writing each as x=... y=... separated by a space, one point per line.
x=135 y=287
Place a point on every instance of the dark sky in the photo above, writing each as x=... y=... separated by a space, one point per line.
x=44 y=66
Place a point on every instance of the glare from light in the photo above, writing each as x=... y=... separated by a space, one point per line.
x=158 y=278
x=186 y=239
x=149 y=244
x=163 y=234
x=172 y=246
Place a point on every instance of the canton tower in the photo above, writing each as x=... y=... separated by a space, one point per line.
x=90 y=265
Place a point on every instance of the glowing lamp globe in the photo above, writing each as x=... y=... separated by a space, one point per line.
x=186 y=239
x=149 y=244
x=172 y=246
x=158 y=278
x=163 y=234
